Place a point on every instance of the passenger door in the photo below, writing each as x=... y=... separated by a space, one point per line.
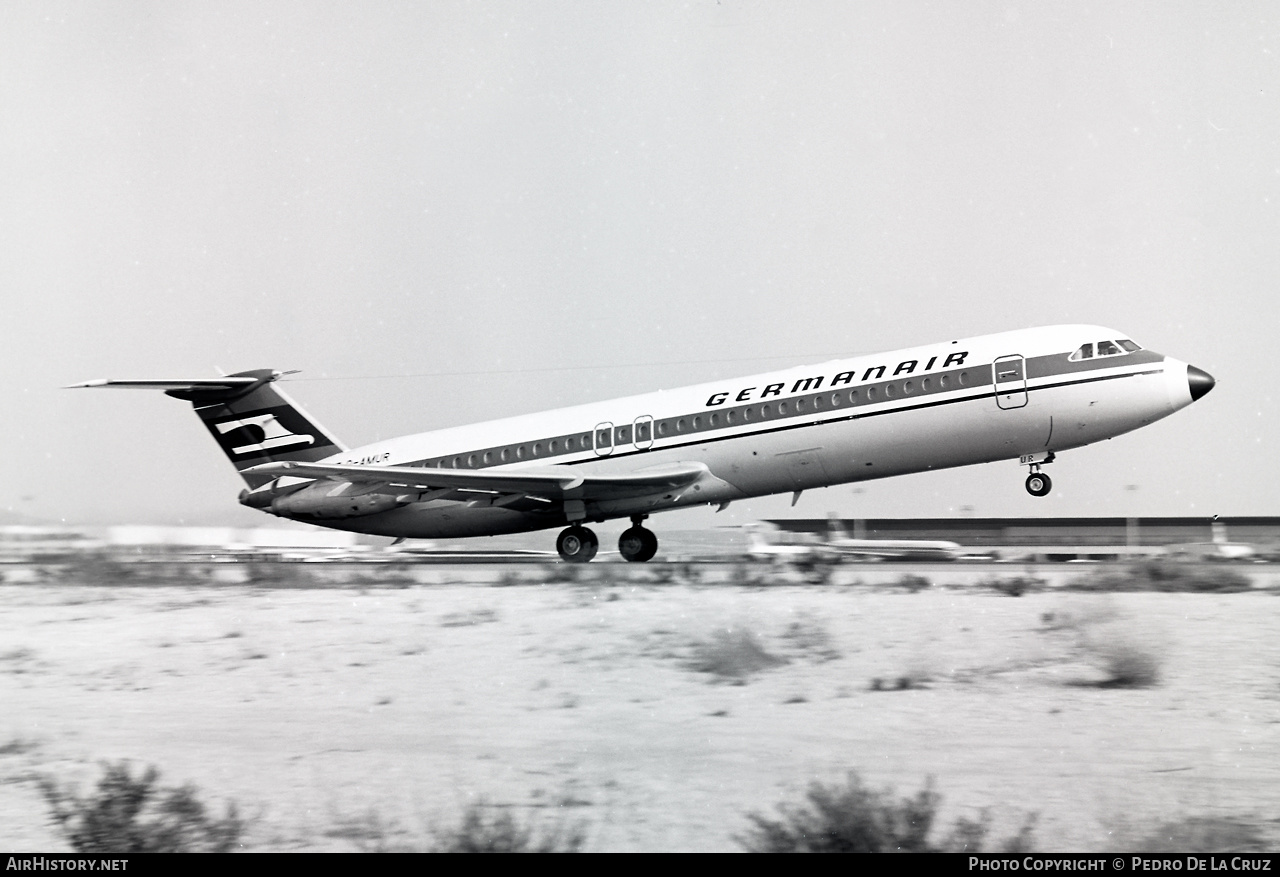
x=1009 y=374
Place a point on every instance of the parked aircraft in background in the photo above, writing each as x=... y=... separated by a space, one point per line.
x=768 y=543
x=1218 y=549
x=888 y=549
x=1025 y=395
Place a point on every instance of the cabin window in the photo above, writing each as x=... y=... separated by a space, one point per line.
x=569 y=444
x=505 y=455
x=715 y=420
x=765 y=411
x=782 y=408
x=537 y=449
x=907 y=387
x=457 y=462
x=586 y=440
x=835 y=400
x=555 y=446
x=746 y=413
x=926 y=384
x=730 y=416
x=871 y=394
x=817 y=402
x=624 y=435
x=471 y=461
x=888 y=391
x=963 y=378
x=942 y=382
x=488 y=457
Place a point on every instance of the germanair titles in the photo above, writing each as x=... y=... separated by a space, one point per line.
x=803 y=385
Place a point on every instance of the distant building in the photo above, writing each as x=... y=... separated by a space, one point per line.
x=1070 y=538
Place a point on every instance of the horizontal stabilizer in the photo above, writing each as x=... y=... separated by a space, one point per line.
x=190 y=384
x=250 y=418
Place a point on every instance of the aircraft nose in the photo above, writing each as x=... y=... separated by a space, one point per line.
x=1199 y=381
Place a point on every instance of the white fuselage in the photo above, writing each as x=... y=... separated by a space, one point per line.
x=1006 y=396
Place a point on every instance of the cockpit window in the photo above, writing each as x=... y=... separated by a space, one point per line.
x=1104 y=348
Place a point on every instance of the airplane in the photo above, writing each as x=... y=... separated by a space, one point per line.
x=888 y=549
x=1024 y=395
x=768 y=543
x=1218 y=549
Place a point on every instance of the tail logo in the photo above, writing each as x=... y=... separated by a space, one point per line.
x=259 y=434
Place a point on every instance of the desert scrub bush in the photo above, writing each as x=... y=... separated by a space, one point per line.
x=852 y=818
x=1200 y=834
x=562 y=572
x=732 y=653
x=133 y=814
x=1013 y=586
x=912 y=583
x=278 y=574
x=808 y=638
x=1126 y=663
x=1168 y=576
x=481 y=831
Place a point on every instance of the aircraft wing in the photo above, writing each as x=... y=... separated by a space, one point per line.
x=551 y=484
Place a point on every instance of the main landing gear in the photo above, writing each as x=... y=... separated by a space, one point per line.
x=636 y=544
x=1038 y=483
x=577 y=544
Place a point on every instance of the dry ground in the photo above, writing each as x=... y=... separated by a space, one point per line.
x=342 y=717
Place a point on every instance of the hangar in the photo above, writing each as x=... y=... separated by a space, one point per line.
x=1070 y=538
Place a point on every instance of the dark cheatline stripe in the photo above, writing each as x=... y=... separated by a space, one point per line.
x=839 y=405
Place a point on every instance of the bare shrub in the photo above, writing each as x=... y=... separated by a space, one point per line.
x=1128 y=664
x=1167 y=576
x=912 y=583
x=19 y=746
x=128 y=814
x=1200 y=834
x=1013 y=586
x=733 y=653
x=852 y=818
x=807 y=637
x=561 y=573
x=482 y=831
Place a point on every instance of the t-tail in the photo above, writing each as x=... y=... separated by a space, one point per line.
x=250 y=418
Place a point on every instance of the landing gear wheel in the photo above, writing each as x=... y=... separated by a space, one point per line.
x=577 y=545
x=1038 y=484
x=637 y=544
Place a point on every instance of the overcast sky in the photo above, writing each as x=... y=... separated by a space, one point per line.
x=446 y=212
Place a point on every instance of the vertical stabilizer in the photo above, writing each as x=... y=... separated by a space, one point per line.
x=250 y=418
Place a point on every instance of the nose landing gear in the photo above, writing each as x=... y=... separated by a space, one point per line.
x=1038 y=483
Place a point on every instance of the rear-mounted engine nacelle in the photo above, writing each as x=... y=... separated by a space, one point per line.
x=328 y=500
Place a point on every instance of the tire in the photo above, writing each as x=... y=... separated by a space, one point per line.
x=637 y=545
x=577 y=545
x=1039 y=484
